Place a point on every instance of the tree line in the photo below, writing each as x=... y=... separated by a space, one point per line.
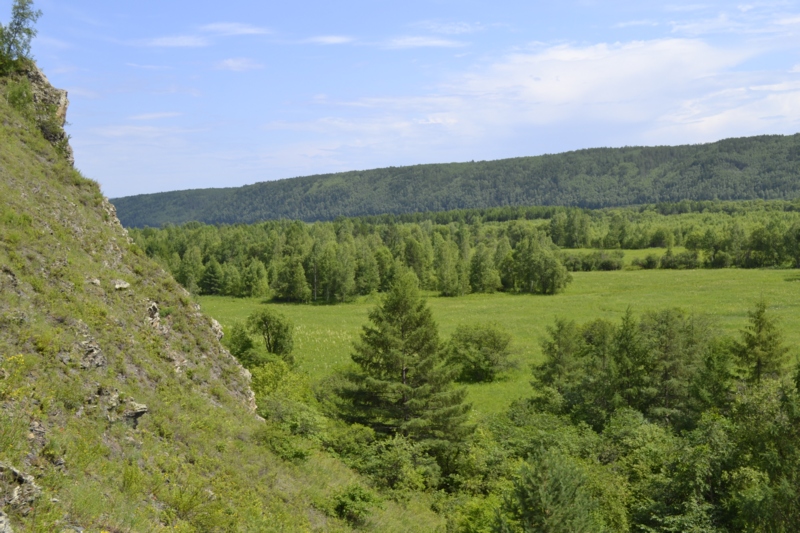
x=763 y=167
x=330 y=262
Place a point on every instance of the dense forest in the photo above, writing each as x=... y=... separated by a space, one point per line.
x=763 y=167
x=459 y=252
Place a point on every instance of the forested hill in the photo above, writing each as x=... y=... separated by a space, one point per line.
x=765 y=167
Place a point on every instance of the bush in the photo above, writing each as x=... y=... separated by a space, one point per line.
x=481 y=350
x=682 y=261
x=353 y=504
x=648 y=263
x=276 y=330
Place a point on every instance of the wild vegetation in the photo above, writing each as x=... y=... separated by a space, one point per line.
x=119 y=409
x=464 y=252
x=638 y=423
x=747 y=168
x=657 y=391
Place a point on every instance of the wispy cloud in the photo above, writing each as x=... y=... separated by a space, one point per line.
x=155 y=116
x=330 y=39
x=668 y=90
x=233 y=28
x=448 y=28
x=423 y=42
x=178 y=41
x=239 y=64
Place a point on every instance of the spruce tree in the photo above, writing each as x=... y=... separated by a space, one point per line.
x=405 y=384
x=211 y=281
x=761 y=351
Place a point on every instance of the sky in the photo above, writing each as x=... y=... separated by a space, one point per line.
x=178 y=94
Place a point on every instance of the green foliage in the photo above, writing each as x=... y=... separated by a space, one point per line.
x=481 y=350
x=16 y=36
x=353 y=504
x=211 y=280
x=404 y=382
x=761 y=351
x=732 y=169
x=276 y=330
x=550 y=496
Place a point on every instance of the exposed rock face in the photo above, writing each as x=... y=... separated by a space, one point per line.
x=216 y=329
x=17 y=491
x=5 y=524
x=45 y=93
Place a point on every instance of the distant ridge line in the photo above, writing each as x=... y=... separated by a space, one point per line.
x=748 y=168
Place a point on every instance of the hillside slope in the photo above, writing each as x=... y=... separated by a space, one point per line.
x=119 y=409
x=766 y=167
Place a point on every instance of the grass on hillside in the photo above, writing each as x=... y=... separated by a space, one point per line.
x=324 y=334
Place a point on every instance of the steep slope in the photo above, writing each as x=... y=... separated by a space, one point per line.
x=119 y=408
x=766 y=167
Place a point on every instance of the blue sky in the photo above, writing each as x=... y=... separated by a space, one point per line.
x=170 y=95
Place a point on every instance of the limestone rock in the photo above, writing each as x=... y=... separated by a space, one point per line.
x=5 y=523
x=134 y=412
x=92 y=355
x=44 y=92
x=121 y=285
x=17 y=489
x=216 y=329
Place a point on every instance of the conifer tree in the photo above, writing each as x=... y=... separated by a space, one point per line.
x=405 y=384
x=760 y=351
x=211 y=282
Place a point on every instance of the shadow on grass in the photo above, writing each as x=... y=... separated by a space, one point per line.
x=792 y=277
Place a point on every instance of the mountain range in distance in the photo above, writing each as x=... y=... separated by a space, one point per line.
x=748 y=168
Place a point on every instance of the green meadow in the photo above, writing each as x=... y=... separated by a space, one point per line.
x=324 y=334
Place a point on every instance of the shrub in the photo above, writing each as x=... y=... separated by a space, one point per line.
x=354 y=504
x=481 y=350
x=276 y=330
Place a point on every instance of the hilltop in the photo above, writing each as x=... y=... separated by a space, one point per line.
x=119 y=408
x=765 y=167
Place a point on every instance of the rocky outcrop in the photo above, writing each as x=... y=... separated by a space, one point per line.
x=44 y=93
x=5 y=523
x=18 y=491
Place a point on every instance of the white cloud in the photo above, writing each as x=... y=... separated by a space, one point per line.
x=669 y=90
x=330 y=39
x=155 y=116
x=233 y=28
x=239 y=64
x=179 y=41
x=423 y=42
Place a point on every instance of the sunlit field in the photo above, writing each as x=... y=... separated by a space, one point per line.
x=324 y=334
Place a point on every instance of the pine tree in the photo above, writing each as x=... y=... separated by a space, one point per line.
x=292 y=284
x=550 y=496
x=404 y=384
x=761 y=351
x=211 y=282
x=255 y=281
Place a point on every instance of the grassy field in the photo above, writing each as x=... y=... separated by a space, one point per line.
x=324 y=334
